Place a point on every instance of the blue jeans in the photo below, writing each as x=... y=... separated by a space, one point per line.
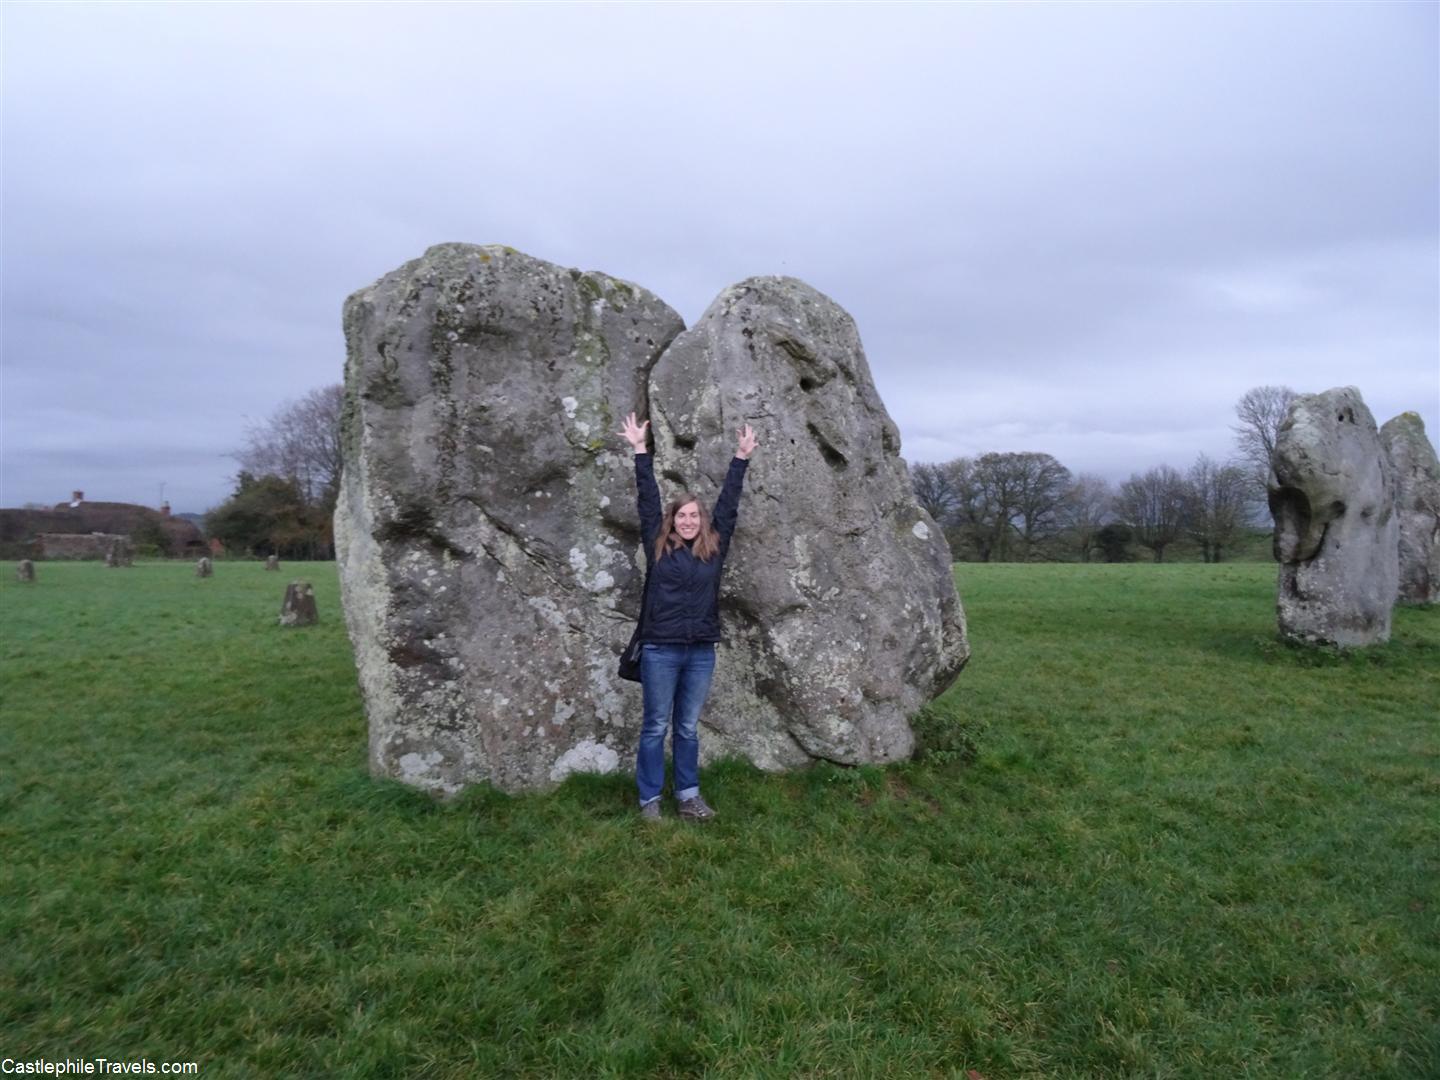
x=675 y=680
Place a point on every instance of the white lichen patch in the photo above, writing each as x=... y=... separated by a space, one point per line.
x=605 y=699
x=570 y=405
x=415 y=766
x=921 y=531
x=587 y=756
x=549 y=611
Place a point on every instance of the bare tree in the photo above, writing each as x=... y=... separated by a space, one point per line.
x=1215 y=502
x=1040 y=485
x=971 y=529
x=935 y=491
x=1084 y=511
x=300 y=442
x=997 y=505
x=1260 y=412
x=960 y=489
x=1153 y=505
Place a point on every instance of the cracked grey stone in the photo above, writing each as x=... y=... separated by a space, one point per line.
x=1332 y=494
x=488 y=543
x=840 y=605
x=1417 y=504
x=486 y=530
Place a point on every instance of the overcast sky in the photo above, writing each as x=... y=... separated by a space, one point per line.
x=1084 y=229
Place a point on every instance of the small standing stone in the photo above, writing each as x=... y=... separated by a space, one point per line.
x=299 y=606
x=272 y=563
x=120 y=554
x=25 y=571
x=1417 y=502
x=204 y=567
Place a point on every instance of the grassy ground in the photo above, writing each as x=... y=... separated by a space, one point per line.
x=1182 y=850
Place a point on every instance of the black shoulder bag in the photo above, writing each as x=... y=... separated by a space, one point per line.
x=630 y=658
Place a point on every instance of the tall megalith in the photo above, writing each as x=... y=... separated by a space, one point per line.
x=486 y=531
x=842 y=613
x=489 y=546
x=1332 y=494
x=1417 y=504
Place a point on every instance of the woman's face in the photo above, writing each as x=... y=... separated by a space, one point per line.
x=687 y=521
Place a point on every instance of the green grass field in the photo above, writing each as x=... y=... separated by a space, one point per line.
x=1183 y=849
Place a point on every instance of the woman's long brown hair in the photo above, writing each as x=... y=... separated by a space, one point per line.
x=707 y=540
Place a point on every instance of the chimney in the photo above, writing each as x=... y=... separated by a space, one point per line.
x=76 y=498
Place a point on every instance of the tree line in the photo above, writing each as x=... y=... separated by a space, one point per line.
x=288 y=483
x=996 y=507
x=1026 y=506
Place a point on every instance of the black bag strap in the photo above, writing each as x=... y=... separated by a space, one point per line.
x=644 y=600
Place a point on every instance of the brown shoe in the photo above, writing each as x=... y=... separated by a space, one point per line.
x=696 y=809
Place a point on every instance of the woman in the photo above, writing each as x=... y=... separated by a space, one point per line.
x=680 y=625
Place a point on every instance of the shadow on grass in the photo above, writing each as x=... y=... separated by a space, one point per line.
x=1402 y=653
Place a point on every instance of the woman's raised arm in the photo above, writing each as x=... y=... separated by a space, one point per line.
x=727 y=507
x=647 y=492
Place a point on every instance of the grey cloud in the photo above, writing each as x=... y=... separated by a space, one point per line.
x=1091 y=227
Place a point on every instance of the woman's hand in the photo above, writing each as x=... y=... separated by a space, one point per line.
x=634 y=433
x=747 y=443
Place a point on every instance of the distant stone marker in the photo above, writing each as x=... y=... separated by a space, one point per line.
x=299 y=606
x=1417 y=504
x=25 y=571
x=1332 y=494
x=272 y=563
x=203 y=567
x=120 y=553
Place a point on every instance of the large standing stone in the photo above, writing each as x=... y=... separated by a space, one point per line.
x=25 y=571
x=839 y=601
x=1417 y=504
x=488 y=543
x=272 y=562
x=1332 y=494
x=204 y=567
x=298 y=607
x=486 y=529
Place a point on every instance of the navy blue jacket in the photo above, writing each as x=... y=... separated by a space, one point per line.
x=683 y=605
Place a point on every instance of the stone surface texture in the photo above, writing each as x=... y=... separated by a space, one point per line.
x=25 y=570
x=486 y=529
x=841 y=613
x=1332 y=494
x=1417 y=504
x=489 y=546
x=204 y=567
x=272 y=562
x=298 y=607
